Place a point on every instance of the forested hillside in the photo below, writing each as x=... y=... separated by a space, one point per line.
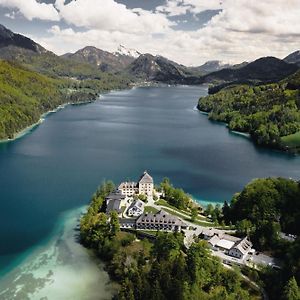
x=161 y=269
x=270 y=113
x=25 y=95
x=264 y=209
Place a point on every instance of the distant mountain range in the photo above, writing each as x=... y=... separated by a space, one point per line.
x=20 y=49
x=262 y=70
x=91 y=62
x=214 y=66
x=293 y=58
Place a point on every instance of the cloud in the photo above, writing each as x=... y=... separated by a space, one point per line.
x=112 y=16
x=11 y=15
x=174 y=8
x=31 y=9
x=242 y=30
x=181 y=7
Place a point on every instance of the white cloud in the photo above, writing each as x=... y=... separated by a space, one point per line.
x=112 y=16
x=31 y=9
x=243 y=30
x=11 y=15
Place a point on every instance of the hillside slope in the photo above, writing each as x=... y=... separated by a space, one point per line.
x=293 y=58
x=18 y=48
x=25 y=95
x=103 y=60
x=265 y=69
x=268 y=112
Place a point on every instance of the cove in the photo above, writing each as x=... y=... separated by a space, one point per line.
x=58 y=165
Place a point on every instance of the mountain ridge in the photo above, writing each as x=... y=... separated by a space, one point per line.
x=104 y=60
x=294 y=58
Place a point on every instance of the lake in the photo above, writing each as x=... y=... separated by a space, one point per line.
x=49 y=174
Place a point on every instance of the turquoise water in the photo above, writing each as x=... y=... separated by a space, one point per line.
x=59 y=164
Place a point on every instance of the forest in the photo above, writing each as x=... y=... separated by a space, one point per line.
x=159 y=269
x=270 y=113
x=264 y=210
x=25 y=95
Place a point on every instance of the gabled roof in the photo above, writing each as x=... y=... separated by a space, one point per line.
x=146 y=178
x=115 y=195
x=214 y=240
x=114 y=205
x=243 y=245
x=137 y=203
x=127 y=184
x=160 y=217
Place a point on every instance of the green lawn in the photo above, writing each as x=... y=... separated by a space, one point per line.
x=292 y=140
x=166 y=204
x=150 y=209
x=187 y=218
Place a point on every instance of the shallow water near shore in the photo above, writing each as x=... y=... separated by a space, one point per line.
x=58 y=165
x=59 y=269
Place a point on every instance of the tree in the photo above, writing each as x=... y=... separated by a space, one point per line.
x=194 y=214
x=244 y=227
x=209 y=210
x=114 y=223
x=291 y=290
x=226 y=212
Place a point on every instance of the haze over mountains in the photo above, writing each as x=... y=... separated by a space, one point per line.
x=91 y=62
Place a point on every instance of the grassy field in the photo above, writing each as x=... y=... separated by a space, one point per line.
x=150 y=209
x=292 y=140
x=197 y=222
x=166 y=204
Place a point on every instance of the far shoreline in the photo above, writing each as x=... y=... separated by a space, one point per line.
x=43 y=116
x=247 y=135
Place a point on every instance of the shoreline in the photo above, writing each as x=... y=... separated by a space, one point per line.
x=43 y=117
x=29 y=128
x=244 y=134
x=58 y=257
x=248 y=136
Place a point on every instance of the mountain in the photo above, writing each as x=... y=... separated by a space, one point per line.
x=123 y=51
x=8 y=38
x=103 y=60
x=157 y=68
x=209 y=67
x=18 y=48
x=293 y=58
x=265 y=69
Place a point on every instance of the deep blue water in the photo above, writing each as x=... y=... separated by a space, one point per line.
x=59 y=164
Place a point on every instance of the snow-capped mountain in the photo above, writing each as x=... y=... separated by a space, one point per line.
x=122 y=50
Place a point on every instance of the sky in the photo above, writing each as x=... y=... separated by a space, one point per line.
x=190 y=32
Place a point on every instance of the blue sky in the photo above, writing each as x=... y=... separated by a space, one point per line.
x=187 y=31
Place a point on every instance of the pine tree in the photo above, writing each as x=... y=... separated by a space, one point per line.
x=291 y=290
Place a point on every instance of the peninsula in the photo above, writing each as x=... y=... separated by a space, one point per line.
x=145 y=232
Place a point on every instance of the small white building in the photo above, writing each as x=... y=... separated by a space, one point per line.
x=136 y=208
x=230 y=245
x=241 y=248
